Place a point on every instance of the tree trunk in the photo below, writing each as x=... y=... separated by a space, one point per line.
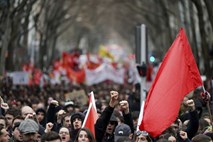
x=204 y=45
x=194 y=42
x=5 y=43
x=209 y=4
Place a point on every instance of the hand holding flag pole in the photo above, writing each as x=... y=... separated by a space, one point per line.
x=207 y=97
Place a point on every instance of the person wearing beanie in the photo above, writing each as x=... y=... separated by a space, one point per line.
x=41 y=116
x=77 y=119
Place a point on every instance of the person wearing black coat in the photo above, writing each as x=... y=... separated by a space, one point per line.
x=106 y=123
x=77 y=120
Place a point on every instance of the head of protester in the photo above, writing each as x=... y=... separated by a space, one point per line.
x=4 y=135
x=142 y=136
x=122 y=131
x=201 y=138
x=77 y=119
x=16 y=135
x=64 y=134
x=51 y=136
x=85 y=135
x=69 y=107
x=29 y=130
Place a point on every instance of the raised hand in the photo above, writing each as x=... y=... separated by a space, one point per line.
x=114 y=98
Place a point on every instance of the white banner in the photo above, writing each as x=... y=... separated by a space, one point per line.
x=104 y=72
x=20 y=78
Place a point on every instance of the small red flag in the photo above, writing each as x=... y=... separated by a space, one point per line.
x=91 y=116
x=177 y=76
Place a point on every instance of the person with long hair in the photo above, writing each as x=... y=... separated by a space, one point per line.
x=85 y=135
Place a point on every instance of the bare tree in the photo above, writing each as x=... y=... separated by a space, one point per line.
x=15 y=29
x=204 y=46
x=53 y=21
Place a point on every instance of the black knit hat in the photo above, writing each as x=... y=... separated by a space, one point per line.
x=77 y=115
x=40 y=110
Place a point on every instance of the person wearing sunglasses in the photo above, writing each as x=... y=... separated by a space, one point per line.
x=142 y=136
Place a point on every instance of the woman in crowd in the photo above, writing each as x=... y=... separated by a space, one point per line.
x=85 y=135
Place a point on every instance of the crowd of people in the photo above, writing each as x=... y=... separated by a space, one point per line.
x=35 y=114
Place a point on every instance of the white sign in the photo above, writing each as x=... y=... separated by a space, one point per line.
x=20 y=78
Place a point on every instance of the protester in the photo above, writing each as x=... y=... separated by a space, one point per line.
x=16 y=135
x=76 y=123
x=55 y=114
x=201 y=138
x=51 y=137
x=85 y=135
x=29 y=130
x=142 y=136
x=17 y=119
x=27 y=111
x=69 y=107
x=134 y=98
x=122 y=131
x=10 y=114
x=41 y=116
x=66 y=121
x=115 y=112
x=107 y=122
x=4 y=135
x=3 y=121
x=64 y=133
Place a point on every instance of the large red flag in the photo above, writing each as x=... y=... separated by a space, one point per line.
x=177 y=76
x=91 y=116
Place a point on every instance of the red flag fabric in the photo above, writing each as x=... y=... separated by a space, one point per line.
x=91 y=116
x=177 y=76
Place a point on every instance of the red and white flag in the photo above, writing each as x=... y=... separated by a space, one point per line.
x=91 y=116
x=177 y=76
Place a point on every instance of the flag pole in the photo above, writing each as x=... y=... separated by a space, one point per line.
x=140 y=115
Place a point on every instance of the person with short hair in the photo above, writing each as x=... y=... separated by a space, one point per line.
x=4 y=135
x=10 y=114
x=51 y=136
x=26 y=110
x=3 y=121
x=201 y=138
x=64 y=133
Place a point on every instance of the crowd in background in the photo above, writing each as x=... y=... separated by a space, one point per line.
x=34 y=113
